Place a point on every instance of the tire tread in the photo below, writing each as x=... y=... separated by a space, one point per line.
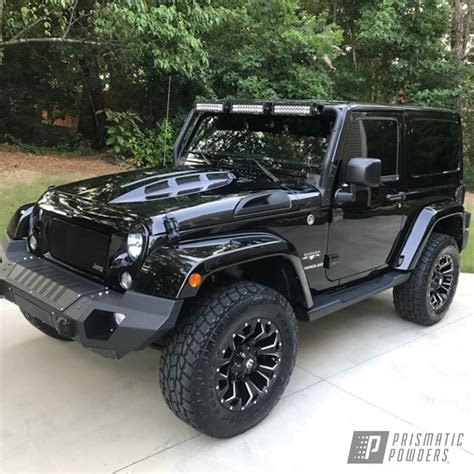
x=409 y=296
x=188 y=341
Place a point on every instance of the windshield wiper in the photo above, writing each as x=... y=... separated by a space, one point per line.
x=267 y=172
x=262 y=167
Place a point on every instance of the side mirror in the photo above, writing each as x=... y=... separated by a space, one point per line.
x=363 y=172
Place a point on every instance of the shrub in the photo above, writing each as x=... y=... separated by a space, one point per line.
x=128 y=139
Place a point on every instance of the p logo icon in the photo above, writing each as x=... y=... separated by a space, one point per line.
x=368 y=447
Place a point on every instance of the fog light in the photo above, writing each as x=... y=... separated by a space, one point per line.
x=33 y=242
x=126 y=280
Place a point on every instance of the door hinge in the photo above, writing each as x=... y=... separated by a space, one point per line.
x=172 y=228
x=331 y=260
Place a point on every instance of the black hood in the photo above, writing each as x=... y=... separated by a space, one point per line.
x=195 y=196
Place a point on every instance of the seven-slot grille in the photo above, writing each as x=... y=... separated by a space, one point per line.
x=82 y=248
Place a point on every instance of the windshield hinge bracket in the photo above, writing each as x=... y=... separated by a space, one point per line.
x=172 y=228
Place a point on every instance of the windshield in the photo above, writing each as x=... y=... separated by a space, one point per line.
x=279 y=143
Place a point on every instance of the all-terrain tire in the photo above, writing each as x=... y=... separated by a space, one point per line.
x=43 y=327
x=190 y=357
x=412 y=298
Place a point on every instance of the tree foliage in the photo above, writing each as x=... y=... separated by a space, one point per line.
x=271 y=49
x=84 y=56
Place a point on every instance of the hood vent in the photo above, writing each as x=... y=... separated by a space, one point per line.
x=176 y=186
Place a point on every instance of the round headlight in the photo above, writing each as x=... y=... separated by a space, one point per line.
x=134 y=245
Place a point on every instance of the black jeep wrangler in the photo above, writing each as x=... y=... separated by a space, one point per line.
x=275 y=212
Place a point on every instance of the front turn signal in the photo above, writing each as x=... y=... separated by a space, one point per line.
x=194 y=280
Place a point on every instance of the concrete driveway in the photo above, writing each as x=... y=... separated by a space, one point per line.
x=64 y=408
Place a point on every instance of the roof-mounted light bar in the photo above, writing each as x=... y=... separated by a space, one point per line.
x=247 y=108
x=210 y=107
x=258 y=108
x=286 y=109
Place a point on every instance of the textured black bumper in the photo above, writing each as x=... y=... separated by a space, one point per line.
x=105 y=321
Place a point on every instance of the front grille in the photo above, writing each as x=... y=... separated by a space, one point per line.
x=82 y=248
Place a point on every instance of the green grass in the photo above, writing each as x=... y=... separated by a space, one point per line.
x=17 y=192
x=467 y=257
x=468 y=178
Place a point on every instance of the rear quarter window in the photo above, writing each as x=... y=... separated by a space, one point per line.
x=435 y=146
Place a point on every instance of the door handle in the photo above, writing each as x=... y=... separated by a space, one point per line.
x=397 y=197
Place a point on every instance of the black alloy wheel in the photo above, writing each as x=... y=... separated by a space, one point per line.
x=248 y=365
x=442 y=278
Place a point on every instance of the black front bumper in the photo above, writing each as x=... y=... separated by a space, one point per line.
x=105 y=321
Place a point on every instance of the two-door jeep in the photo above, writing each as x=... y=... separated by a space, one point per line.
x=274 y=212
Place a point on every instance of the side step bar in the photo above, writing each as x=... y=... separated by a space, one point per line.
x=329 y=303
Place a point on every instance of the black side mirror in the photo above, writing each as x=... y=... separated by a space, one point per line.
x=363 y=172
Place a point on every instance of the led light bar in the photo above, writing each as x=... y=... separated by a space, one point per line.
x=209 y=107
x=279 y=109
x=247 y=108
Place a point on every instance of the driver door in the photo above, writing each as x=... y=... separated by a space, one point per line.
x=362 y=233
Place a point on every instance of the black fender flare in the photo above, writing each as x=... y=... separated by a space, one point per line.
x=167 y=268
x=20 y=222
x=421 y=229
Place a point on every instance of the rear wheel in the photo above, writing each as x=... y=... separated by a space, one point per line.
x=426 y=296
x=43 y=327
x=229 y=359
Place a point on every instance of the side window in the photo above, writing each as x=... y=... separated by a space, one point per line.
x=435 y=146
x=374 y=138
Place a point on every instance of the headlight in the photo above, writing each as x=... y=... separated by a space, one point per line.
x=134 y=245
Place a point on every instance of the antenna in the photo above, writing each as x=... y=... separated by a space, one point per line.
x=167 y=117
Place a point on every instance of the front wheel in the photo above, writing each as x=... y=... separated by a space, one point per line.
x=230 y=358
x=426 y=296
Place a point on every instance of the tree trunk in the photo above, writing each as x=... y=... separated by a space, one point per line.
x=92 y=116
x=457 y=29
x=460 y=23
x=353 y=47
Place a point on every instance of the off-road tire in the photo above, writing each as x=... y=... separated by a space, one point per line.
x=411 y=299
x=43 y=327
x=190 y=355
